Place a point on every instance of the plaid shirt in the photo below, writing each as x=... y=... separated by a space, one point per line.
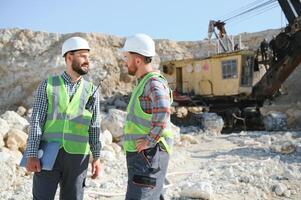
x=155 y=100
x=39 y=114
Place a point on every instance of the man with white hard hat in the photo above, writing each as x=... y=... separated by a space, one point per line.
x=66 y=112
x=147 y=137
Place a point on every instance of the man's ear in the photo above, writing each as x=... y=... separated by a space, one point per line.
x=68 y=57
x=137 y=60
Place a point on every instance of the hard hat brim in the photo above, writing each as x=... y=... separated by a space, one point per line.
x=74 y=51
x=122 y=50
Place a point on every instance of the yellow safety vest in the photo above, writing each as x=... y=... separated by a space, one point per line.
x=68 y=121
x=138 y=123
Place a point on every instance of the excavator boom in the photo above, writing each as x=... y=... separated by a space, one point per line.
x=287 y=52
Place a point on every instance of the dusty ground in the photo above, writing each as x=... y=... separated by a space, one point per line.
x=235 y=166
x=248 y=165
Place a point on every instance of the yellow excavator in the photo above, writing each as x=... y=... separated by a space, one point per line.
x=224 y=83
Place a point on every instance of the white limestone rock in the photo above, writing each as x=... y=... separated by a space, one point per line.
x=212 y=123
x=280 y=189
x=114 y=122
x=176 y=133
x=14 y=120
x=4 y=127
x=116 y=147
x=201 y=190
x=16 y=140
x=106 y=155
x=189 y=138
x=7 y=172
x=106 y=138
x=21 y=111
x=181 y=112
x=275 y=121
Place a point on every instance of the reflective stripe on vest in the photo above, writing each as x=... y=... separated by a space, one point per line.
x=67 y=120
x=128 y=137
x=138 y=120
x=61 y=116
x=74 y=138
x=138 y=123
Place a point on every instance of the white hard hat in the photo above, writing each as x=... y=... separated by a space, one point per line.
x=141 y=44
x=74 y=43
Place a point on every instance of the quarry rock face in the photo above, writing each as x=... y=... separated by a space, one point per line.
x=28 y=57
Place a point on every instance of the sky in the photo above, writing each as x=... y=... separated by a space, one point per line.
x=180 y=20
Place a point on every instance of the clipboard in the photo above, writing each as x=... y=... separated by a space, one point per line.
x=47 y=154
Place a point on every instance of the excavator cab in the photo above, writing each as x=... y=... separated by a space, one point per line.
x=228 y=82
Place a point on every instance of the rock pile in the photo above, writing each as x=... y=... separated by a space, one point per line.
x=249 y=165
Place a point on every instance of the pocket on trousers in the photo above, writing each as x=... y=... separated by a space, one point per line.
x=144 y=181
x=151 y=158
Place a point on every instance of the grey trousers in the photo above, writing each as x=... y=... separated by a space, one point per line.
x=146 y=174
x=70 y=171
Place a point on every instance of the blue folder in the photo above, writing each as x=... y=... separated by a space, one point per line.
x=47 y=154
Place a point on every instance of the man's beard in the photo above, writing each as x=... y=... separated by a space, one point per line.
x=133 y=72
x=77 y=67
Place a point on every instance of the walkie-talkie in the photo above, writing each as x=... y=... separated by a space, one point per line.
x=91 y=100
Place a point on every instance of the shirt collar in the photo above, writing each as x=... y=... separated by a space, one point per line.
x=141 y=77
x=67 y=78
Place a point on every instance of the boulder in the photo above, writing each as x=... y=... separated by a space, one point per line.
x=7 y=172
x=116 y=148
x=176 y=133
x=280 y=189
x=294 y=118
x=16 y=140
x=120 y=104
x=15 y=155
x=275 y=121
x=14 y=120
x=28 y=114
x=201 y=190
x=4 y=127
x=181 y=112
x=189 y=138
x=21 y=111
x=106 y=138
x=107 y=155
x=195 y=109
x=212 y=123
x=108 y=148
x=114 y=122
x=288 y=147
x=1 y=142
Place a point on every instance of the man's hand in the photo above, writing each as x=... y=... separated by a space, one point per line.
x=33 y=164
x=142 y=144
x=95 y=168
